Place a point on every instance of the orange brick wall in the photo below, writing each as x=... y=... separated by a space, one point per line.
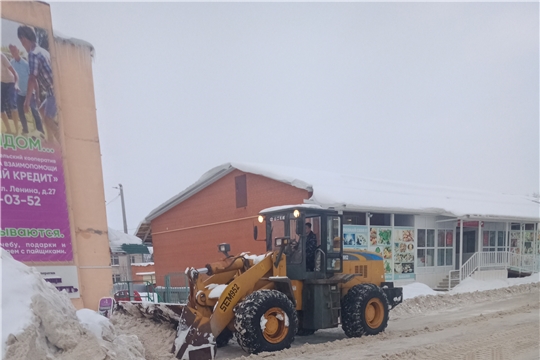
x=195 y=247
x=140 y=269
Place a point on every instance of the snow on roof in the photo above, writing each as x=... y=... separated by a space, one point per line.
x=74 y=41
x=146 y=273
x=142 y=264
x=355 y=193
x=118 y=238
x=286 y=207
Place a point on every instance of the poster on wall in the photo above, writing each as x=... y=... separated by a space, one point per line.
x=380 y=241
x=404 y=253
x=515 y=241
x=64 y=278
x=35 y=221
x=355 y=237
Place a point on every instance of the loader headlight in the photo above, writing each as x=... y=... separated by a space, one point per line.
x=260 y=218
x=224 y=248
x=296 y=213
x=281 y=242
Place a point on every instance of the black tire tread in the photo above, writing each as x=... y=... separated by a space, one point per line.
x=247 y=320
x=223 y=338
x=352 y=310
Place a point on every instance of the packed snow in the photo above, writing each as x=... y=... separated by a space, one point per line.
x=256 y=258
x=264 y=320
x=217 y=291
x=471 y=285
x=39 y=322
x=417 y=289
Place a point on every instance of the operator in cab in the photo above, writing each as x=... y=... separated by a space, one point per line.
x=311 y=247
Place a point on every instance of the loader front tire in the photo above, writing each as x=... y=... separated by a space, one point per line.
x=223 y=338
x=265 y=321
x=364 y=311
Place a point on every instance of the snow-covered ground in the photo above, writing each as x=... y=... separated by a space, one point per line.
x=468 y=285
x=496 y=319
x=39 y=322
x=425 y=316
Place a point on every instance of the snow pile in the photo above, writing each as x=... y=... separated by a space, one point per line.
x=417 y=289
x=39 y=322
x=470 y=284
x=469 y=295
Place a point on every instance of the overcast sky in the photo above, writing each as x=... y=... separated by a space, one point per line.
x=435 y=93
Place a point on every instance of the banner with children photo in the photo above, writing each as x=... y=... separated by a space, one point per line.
x=35 y=220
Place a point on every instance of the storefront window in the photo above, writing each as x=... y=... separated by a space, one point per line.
x=426 y=247
x=493 y=240
x=445 y=242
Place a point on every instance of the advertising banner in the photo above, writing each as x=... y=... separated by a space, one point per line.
x=404 y=253
x=356 y=236
x=380 y=241
x=34 y=214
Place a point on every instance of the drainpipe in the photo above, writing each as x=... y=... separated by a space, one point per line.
x=460 y=247
x=479 y=244
x=506 y=249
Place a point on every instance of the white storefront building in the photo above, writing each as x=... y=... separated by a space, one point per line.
x=425 y=233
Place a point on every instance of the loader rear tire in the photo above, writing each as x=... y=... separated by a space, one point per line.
x=223 y=338
x=364 y=311
x=265 y=321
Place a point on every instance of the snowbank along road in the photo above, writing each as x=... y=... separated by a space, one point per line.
x=491 y=325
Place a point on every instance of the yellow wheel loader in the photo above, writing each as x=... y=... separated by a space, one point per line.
x=266 y=300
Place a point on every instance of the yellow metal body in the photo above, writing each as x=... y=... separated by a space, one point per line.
x=367 y=267
x=237 y=277
x=240 y=276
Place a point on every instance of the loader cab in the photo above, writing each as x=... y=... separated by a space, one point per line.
x=288 y=223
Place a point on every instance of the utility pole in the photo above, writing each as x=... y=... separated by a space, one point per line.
x=123 y=207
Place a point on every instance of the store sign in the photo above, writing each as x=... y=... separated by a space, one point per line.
x=64 y=278
x=355 y=236
x=470 y=224
x=34 y=214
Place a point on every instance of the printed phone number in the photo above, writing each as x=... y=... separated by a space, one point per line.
x=17 y=200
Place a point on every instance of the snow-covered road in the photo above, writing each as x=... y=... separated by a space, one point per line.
x=497 y=324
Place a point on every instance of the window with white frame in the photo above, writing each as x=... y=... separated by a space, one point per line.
x=116 y=278
x=426 y=247
x=445 y=246
x=114 y=260
x=493 y=240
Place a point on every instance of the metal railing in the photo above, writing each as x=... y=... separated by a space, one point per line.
x=491 y=260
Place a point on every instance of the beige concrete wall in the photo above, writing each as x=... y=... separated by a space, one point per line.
x=72 y=67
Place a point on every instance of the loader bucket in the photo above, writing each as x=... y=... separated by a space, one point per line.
x=194 y=339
